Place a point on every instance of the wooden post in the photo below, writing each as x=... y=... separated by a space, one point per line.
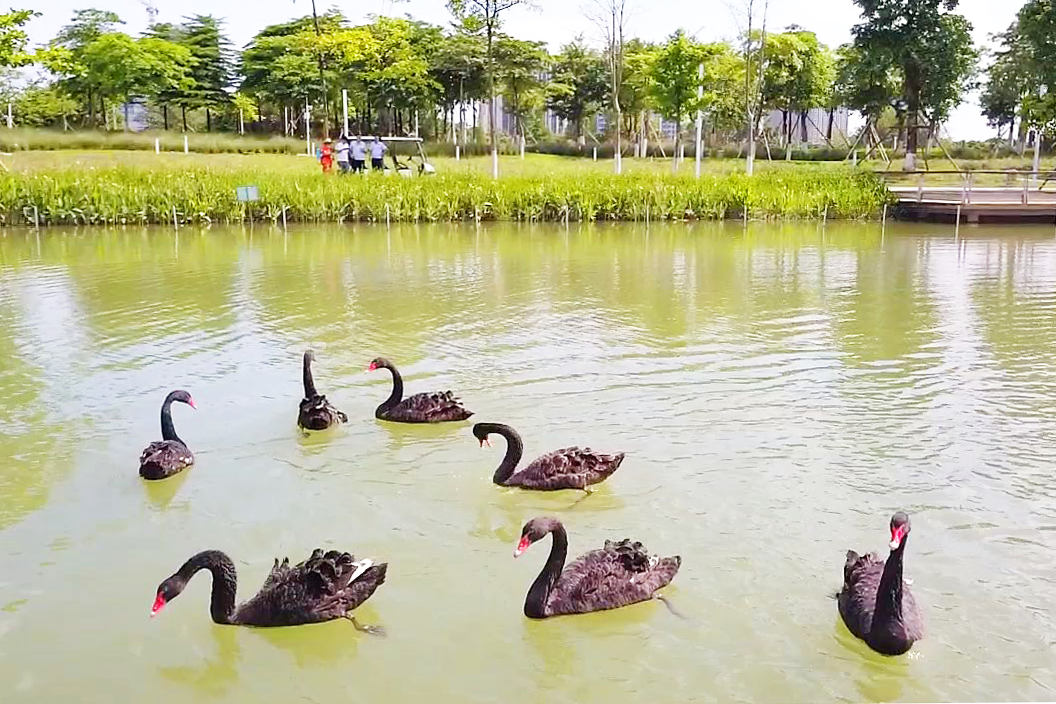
x=157 y=146
x=595 y=153
x=186 y=148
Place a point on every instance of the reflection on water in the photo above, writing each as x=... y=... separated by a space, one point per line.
x=779 y=392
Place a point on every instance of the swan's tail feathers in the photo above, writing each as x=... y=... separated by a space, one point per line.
x=667 y=568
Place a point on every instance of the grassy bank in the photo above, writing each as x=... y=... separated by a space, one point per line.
x=69 y=192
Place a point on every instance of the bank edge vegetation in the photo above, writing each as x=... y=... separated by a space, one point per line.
x=130 y=195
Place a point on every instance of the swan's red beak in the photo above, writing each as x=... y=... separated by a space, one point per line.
x=190 y=402
x=897 y=533
x=522 y=546
x=159 y=604
x=484 y=442
x=371 y=367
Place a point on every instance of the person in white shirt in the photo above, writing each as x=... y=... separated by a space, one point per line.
x=377 y=154
x=359 y=155
x=341 y=147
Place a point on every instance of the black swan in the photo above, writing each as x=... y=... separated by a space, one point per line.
x=874 y=603
x=616 y=575
x=170 y=455
x=324 y=587
x=316 y=413
x=567 y=468
x=436 y=407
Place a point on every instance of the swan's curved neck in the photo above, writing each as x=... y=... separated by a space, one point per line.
x=889 y=592
x=539 y=593
x=168 y=430
x=309 y=383
x=514 y=451
x=397 y=390
x=225 y=582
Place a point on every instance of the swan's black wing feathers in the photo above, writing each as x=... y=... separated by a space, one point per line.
x=434 y=407
x=567 y=468
x=164 y=458
x=316 y=413
x=618 y=574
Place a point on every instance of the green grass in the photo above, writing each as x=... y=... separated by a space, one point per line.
x=115 y=188
x=24 y=139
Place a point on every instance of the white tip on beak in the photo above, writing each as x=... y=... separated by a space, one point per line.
x=893 y=544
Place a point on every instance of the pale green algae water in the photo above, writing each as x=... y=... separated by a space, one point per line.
x=779 y=392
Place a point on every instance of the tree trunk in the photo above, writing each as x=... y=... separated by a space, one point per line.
x=618 y=156
x=828 y=131
x=165 y=116
x=491 y=100
x=208 y=121
x=678 y=142
x=912 y=116
x=183 y=113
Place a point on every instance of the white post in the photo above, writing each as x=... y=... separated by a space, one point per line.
x=344 y=109
x=186 y=148
x=307 y=127
x=285 y=120
x=854 y=157
x=457 y=154
x=157 y=146
x=494 y=161
x=1037 y=154
x=175 y=222
x=522 y=146
x=700 y=119
x=10 y=117
x=241 y=122
x=416 y=123
x=595 y=153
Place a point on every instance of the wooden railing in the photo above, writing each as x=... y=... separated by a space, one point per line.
x=966 y=186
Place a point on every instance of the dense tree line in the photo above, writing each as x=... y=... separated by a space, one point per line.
x=910 y=58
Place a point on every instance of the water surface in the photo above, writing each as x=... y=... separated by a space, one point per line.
x=779 y=392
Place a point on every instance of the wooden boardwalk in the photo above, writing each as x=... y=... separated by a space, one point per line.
x=1030 y=201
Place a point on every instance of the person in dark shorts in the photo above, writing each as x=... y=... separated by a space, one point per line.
x=359 y=155
x=377 y=154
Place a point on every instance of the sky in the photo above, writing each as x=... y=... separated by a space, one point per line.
x=552 y=21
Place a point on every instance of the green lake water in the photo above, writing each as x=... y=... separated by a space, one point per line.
x=779 y=392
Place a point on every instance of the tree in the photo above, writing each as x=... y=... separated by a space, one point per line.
x=518 y=67
x=67 y=48
x=932 y=49
x=213 y=70
x=487 y=13
x=675 y=79
x=1037 y=38
x=577 y=84
x=13 y=39
x=1009 y=80
x=458 y=67
x=799 y=75
x=611 y=18
x=40 y=105
x=119 y=67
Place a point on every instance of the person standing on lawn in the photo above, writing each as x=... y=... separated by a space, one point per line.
x=341 y=147
x=377 y=154
x=359 y=155
x=326 y=158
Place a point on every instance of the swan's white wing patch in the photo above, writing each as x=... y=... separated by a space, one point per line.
x=361 y=566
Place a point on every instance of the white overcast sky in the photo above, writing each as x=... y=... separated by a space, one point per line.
x=554 y=21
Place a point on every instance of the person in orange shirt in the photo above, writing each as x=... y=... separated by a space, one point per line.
x=327 y=156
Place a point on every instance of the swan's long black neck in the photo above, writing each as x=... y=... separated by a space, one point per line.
x=397 y=390
x=514 y=451
x=889 y=593
x=309 y=383
x=168 y=430
x=225 y=582
x=539 y=593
